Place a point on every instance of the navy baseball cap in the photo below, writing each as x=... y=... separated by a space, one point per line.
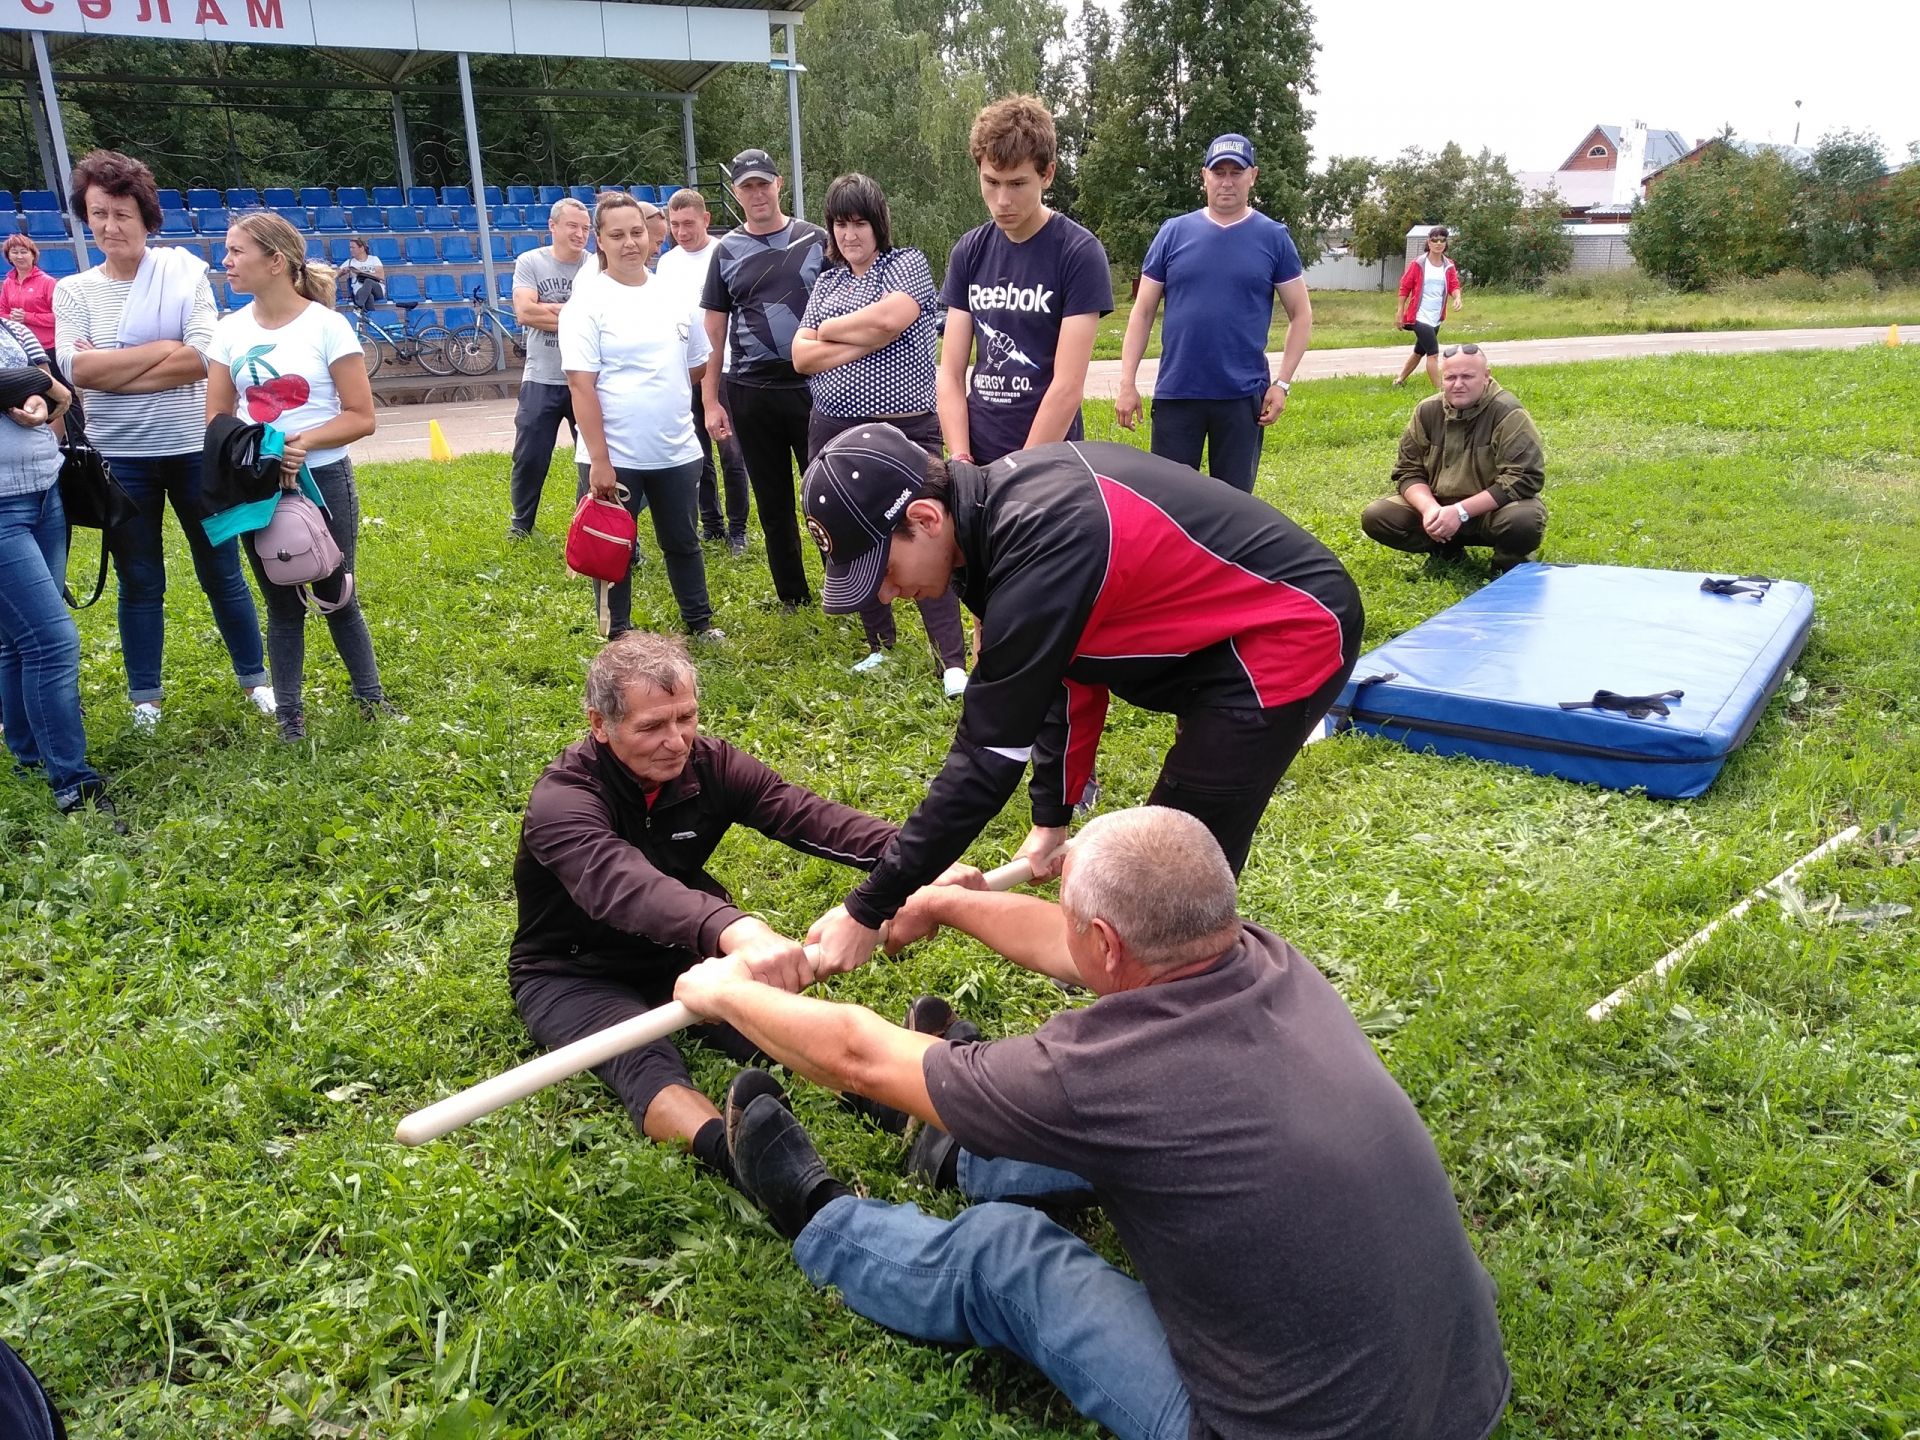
x=852 y=494
x=1230 y=147
x=757 y=164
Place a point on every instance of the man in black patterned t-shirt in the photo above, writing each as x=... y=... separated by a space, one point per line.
x=756 y=291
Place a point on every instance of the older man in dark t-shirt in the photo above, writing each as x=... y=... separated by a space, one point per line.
x=1302 y=1266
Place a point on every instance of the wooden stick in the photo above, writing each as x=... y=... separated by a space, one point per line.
x=466 y=1106
x=1663 y=967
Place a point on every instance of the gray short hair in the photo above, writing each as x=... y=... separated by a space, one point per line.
x=1159 y=878
x=637 y=658
x=686 y=198
x=564 y=204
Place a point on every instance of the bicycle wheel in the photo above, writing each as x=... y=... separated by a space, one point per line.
x=432 y=342
x=471 y=350
x=370 y=352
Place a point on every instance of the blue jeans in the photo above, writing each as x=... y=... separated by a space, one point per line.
x=40 y=647
x=1005 y=1275
x=139 y=563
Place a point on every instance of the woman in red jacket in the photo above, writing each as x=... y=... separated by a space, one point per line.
x=1425 y=289
x=26 y=295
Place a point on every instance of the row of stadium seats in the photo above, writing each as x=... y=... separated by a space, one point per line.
x=332 y=220
x=391 y=249
x=347 y=197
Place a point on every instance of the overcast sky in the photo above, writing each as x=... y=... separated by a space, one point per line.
x=1528 y=78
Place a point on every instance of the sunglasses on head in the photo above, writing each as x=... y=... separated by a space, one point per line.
x=1453 y=350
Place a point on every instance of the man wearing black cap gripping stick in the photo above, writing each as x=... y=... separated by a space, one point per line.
x=1096 y=570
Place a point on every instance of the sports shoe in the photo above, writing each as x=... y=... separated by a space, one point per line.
x=293 y=726
x=262 y=697
x=953 y=680
x=776 y=1164
x=875 y=659
x=712 y=635
x=1089 y=799
x=93 y=795
x=514 y=532
x=146 y=717
x=927 y=1015
x=371 y=710
x=929 y=1154
x=736 y=545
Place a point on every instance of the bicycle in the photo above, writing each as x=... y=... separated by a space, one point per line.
x=476 y=349
x=428 y=346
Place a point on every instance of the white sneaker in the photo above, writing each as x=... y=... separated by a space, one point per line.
x=146 y=717
x=953 y=680
x=262 y=697
x=873 y=662
x=712 y=635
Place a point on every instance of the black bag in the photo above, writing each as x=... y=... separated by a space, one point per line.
x=90 y=495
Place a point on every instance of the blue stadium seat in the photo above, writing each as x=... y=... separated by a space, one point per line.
x=348 y=196
x=276 y=196
x=551 y=193
x=387 y=319
x=523 y=243
x=646 y=193
x=367 y=217
x=317 y=249
x=6 y=202
x=420 y=250
x=440 y=288
x=420 y=318
x=330 y=220
x=465 y=217
x=386 y=247
x=169 y=200
x=503 y=284
x=294 y=215
x=422 y=195
x=454 y=316
x=337 y=251
x=233 y=299
x=582 y=193
x=59 y=263
x=45 y=224
x=502 y=254
x=507 y=217
x=315 y=196
x=39 y=200
x=199 y=199
x=493 y=196
x=389 y=195
x=455 y=195
x=667 y=192
x=403 y=288
x=217 y=259
x=212 y=222
x=458 y=250
x=520 y=195
x=470 y=281
x=176 y=222
x=436 y=217
x=192 y=247
x=243 y=198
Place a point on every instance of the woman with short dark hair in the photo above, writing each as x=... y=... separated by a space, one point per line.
x=1430 y=281
x=866 y=344
x=133 y=333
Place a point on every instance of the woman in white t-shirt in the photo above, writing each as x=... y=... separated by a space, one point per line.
x=289 y=361
x=1425 y=289
x=633 y=359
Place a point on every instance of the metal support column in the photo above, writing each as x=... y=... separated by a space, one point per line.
x=686 y=139
x=58 y=182
x=479 y=194
x=793 y=68
x=402 y=144
x=42 y=136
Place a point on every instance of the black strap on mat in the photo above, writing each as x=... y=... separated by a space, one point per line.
x=1755 y=585
x=1637 y=706
x=1345 y=722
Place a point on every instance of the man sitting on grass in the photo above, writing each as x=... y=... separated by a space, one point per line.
x=1469 y=472
x=615 y=900
x=1303 y=1268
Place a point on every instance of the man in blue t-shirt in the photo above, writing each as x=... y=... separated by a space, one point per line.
x=1027 y=290
x=1219 y=269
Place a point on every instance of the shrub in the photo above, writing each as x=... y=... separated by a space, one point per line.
x=1619 y=287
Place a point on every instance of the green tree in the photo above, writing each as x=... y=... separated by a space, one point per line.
x=1335 y=193
x=1415 y=189
x=1726 y=215
x=1184 y=72
x=1840 y=202
x=1899 y=220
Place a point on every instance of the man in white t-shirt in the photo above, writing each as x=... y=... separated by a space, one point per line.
x=685 y=267
x=542 y=281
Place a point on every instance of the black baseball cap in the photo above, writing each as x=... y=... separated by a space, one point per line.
x=851 y=496
x=752 y=163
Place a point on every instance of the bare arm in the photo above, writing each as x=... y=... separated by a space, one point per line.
x=222 y=398
x=138 y=369
x=876 y=325
x=719 y=423
x=584 y=385
x=955 y=348
x=529 y=309
x=1299 y=307
x=1029 y=931
x=811 y=354
x=1061 y=403
x=1133 y=349
x=354 y=422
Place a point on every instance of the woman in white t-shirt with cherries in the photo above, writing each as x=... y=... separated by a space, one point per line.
x=633 y=358
x=1429 y=283
x=289 y=361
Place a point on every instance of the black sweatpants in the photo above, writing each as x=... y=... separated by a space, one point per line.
x=1230 y=431
x=771 y=423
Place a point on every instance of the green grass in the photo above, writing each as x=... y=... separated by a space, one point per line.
x=1701 y=1215
x=1624 y=304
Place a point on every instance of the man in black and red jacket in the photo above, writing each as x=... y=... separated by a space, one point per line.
x=615 y=899
x=1096 y=570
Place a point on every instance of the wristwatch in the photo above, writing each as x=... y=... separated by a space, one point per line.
x=1286 y=386
x=1461 y=511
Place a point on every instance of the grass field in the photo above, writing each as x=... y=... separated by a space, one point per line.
x=1702 y=1215
x=1600 y=305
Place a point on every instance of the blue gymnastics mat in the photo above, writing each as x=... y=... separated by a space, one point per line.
x=1599 y=673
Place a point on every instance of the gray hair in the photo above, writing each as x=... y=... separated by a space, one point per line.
x=1159 y=878
x=564 y=204
x=637 y=658
x=686 y=198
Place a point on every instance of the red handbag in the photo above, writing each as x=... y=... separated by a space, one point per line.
x=600 y=540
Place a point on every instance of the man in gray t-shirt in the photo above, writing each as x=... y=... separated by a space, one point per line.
x=542 y=282
x=1303 y=1269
